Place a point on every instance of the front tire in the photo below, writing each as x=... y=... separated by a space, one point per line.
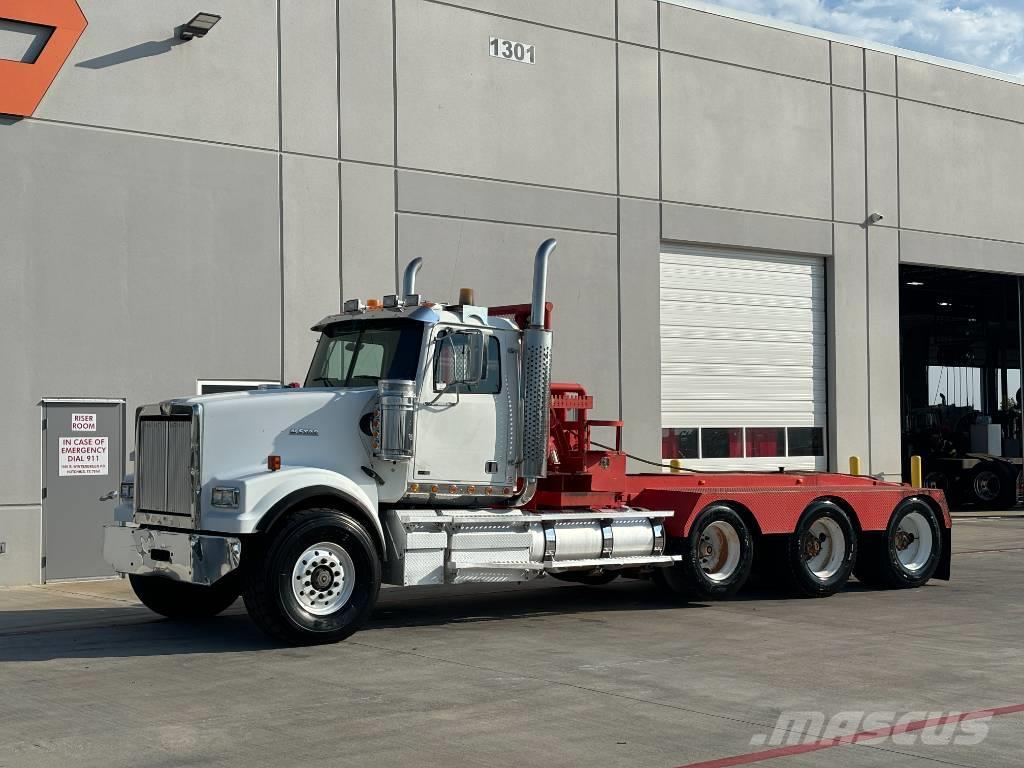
x=717 y=557
x=907 y=553
x=181 y=600
x=317 y=581
x=822 y=550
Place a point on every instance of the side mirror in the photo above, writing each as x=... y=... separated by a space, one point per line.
x=458 y=359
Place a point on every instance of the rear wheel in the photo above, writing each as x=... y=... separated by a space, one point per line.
x=181 y=600
x=822 y=550
x=907 y=553
x=317 y=581
x=717 y=556
x=994 y=486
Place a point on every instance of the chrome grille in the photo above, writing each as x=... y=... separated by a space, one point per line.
x=163 y=465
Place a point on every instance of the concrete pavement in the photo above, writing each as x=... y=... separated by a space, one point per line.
x=546 y=675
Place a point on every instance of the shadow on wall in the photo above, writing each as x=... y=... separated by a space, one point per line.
x=134 y=53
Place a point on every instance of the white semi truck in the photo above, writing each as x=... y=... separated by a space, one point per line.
x=428 y=446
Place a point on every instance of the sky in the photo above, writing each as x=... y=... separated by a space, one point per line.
x=986 y=33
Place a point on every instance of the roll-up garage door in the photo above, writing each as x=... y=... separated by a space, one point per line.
x=743 y=359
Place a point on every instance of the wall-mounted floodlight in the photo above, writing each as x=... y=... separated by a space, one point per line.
x=200 y=24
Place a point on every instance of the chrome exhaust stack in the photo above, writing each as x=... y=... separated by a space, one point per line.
x=536 y=374
x=409 y=278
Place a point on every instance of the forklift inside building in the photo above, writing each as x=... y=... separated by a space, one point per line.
x=960 y=353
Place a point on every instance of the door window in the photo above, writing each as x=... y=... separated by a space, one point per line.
x=453 y=360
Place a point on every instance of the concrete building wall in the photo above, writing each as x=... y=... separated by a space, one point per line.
x=176 y=211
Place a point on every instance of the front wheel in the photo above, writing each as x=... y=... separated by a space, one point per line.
x=181 y=600
x=317 y=581
x=717 y=556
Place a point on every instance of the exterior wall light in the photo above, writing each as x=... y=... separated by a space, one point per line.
x=874 y=218
x=200 y=24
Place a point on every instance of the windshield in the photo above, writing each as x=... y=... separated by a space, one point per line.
x=358 y=353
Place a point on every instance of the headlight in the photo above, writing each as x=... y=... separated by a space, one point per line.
x=127 y=491
x=224 y=497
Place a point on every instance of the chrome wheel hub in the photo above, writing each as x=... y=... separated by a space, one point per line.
x=719 y=551
x=323 y=578
x=987 y=485
x=824 y=548
x=913 y=542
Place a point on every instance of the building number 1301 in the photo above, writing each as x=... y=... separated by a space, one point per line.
x=513 y=51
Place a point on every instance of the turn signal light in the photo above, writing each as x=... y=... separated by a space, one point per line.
x=414 y=487
x=433 y=489
x=273 y=462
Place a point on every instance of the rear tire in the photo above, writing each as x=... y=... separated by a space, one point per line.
x=181 y=600
x=822 y=550
x=317 y=581
x=907 y=553
x=993 y=486
x=717 y=557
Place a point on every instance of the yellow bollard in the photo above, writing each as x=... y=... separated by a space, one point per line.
x=677 y=466
x=855 y=465
x=916 y=473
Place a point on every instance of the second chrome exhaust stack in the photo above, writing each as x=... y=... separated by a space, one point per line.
x=536 y=374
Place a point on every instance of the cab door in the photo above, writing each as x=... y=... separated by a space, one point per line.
x=465 y=432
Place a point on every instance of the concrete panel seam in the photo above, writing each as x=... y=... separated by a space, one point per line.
x=958 y=109
x=618 y=282
x=745 y=66
x=832 y=135
x=521 y=20
x=962 y=237
x=280 y=106
x=402 y=211
x=746 y=210
x=661 y=140
x=618 y=111
x=152 y=134
x=499 y=181
x=280 y=181
x=280 y=243
x=337 y=82
x=341 y=225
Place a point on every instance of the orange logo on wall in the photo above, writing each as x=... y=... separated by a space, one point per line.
x=23 y=84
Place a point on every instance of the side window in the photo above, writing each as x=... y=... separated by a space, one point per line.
x=490 y=384
x=451 y=356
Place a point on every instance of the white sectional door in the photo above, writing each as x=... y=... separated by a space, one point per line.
x=743 y=359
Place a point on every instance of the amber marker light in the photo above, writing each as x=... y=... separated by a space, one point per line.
x=273 y=462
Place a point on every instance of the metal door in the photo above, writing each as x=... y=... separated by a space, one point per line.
x=83 y=460
x=466 y=437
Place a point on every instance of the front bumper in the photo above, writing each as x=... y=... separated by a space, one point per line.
x=189 y=557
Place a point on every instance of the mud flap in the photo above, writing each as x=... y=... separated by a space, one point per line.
x=943 y=571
